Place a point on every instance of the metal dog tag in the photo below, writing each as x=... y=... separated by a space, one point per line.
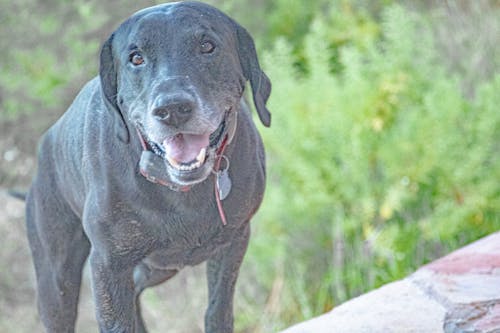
x=223 y=183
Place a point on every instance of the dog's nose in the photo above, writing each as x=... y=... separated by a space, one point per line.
x=173 y=110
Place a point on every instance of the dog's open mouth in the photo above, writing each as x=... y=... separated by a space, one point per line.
x=188 y=158
x=186 y=152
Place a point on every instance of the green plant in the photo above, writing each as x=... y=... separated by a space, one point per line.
x=378 y=164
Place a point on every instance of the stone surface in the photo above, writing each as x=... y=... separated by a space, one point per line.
x=375 y=312
x=490 y=321
x=457 y=293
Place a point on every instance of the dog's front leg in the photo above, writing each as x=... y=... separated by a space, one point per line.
x=113 y=290
x=222 y=272
x=118 y=243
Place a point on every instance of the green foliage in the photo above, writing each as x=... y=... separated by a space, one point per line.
x=378 y=163
x=51 y=50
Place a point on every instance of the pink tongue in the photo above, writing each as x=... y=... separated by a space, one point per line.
x=184 y=148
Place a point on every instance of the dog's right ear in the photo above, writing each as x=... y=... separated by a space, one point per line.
x=108 y=76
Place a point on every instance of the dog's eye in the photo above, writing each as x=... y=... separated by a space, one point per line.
x=136 y=58
x=207 y=47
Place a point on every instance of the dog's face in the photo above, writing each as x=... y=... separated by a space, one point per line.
x=175 y=72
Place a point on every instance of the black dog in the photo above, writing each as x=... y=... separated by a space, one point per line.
x=157 y=164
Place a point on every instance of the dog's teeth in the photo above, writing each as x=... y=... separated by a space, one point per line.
x=195 y=165
x=188 y=167
x=173 y=162
x=201 y=156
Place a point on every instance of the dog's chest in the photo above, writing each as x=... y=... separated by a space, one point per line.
x=187 y=236
x=187 y=247
x=186 y=228
x=190 y=251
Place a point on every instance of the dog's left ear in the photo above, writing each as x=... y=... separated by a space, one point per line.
x=108 y=76
x=261 y=86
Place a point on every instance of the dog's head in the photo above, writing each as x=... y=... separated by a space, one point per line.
x=175 y=72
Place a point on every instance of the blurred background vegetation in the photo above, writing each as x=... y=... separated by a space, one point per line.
x=383 y=152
